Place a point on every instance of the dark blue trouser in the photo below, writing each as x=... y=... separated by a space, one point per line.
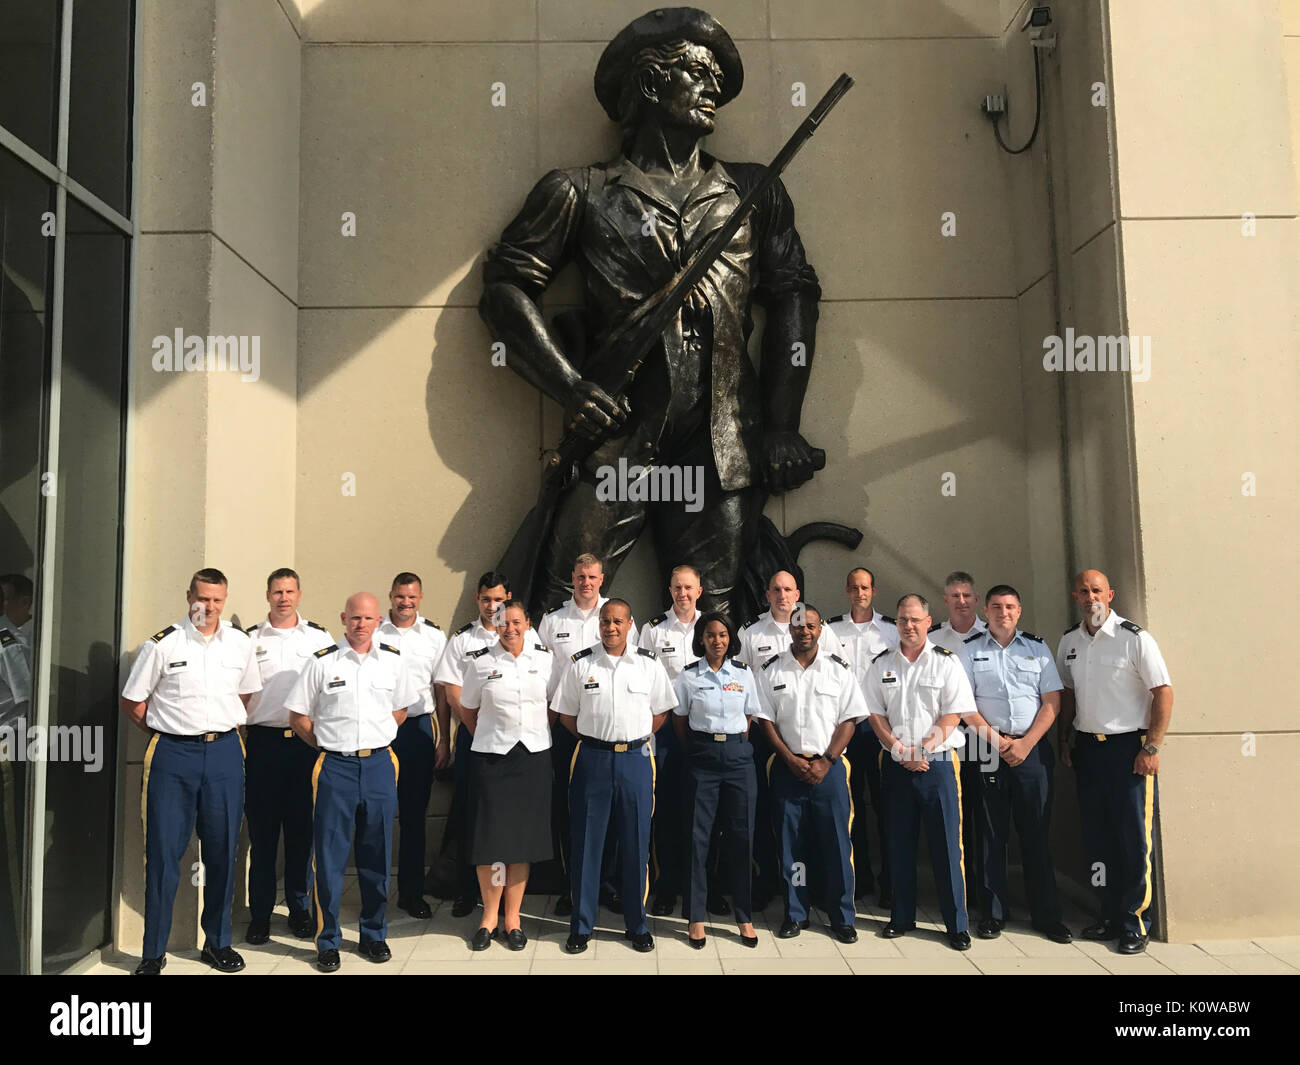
x=1022 y=794
x=360 y=794
x=607 y=787
x=814 y=820
x=932 y=797
x=720 y=790
x=863 y=750
x=277 y=794
x=188 y=784
x=563 y=743
x=415 y=748
x=972 y=806
x=667 y=836
x=765 y=863
x=466 y=876
x=1117 y=810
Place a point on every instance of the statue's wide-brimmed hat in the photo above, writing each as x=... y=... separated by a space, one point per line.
x=656 y=27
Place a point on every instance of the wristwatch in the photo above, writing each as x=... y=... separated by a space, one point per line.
x=1150 y=748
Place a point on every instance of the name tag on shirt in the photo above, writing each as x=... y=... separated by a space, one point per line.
x=591 y=686
x=495 y=675
x=336 y=683
x=889 y=678
x=777 y=687
x=561 y=635
x=177 y=665
x=1071 y=656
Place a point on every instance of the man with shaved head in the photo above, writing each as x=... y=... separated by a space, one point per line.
x=348 y=702
x=1119 y=699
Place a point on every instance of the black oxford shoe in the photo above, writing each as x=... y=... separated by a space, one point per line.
x=959 y=940
x=377 y=951
x=576 y=944
x=482 y=938
x=989 y=928
x=302 y=925
x=463 y=906
x=789 y=929
x=564 y=905
x=845 y=933
x=223 y=959
x=151 y=966
x=1055 y=931
x=515 y=939
x=896 y=931
x=664 y=905
x=642 y=942
x=417 y=908
x=259 y=932
x=1102 y=930
x=327 y=961
x=1132 y=943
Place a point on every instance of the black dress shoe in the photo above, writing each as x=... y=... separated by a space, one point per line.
x=845 y=933
x=612 y=900
x=896 y=931
x=327 y=961
x=789 y=929
x=1055 y=931
x=463 y=906
x=664 y=905
x=718 y=905
x=417 y=908
x=749 y=941
x=515 y=939
x=576 y=944
x=150 y=966
x=223 y=959
x=259 y=932
x=376 y=950
x=989 y=928
x=301 y=924
x=564 y=905
x=1132 y=943
x=1102 y=930
x=959 y=940
x=698 y=944
x=642 y=942
x=482 y=938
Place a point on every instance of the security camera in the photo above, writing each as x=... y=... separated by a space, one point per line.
x=1039 y=16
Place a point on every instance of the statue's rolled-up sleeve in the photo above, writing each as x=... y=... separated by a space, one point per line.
x=538 y=243
x=782 y=267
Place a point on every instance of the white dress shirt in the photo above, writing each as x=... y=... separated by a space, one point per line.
x=568 y=629
x=950 y=639
x=281 y=655
x=806 y=704
x=1112 y=675
x=192 y=683
x=614 y=699
x=467 y=638
x=511 y=695
x=765 y=637
x=671 y=639
x=421 y=644
x=912 y=696
x=861 y=641
x=351 y=698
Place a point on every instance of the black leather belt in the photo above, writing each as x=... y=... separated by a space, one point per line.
x=1102 y=737
x=719 y=737
x=202 y=737
x=621 y=747
x=365 y=752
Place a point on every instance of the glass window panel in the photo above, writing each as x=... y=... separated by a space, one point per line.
x=99 y=122
x=29 y=71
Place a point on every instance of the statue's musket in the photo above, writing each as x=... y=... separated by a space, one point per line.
x=628 y=346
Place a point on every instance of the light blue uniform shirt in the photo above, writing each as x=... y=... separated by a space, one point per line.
x=716 y=702
x=1009 y=682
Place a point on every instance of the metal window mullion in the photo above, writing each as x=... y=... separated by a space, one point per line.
x=50 y=172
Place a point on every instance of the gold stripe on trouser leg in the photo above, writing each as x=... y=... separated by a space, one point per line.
x=768 y=768
x=654 y=777
x=315 y=895
x=1148 y=814
x=144 y=784
x=397 y=766
x=243 y=747
x=853 y=868
x=961 y=842
x=574 y=760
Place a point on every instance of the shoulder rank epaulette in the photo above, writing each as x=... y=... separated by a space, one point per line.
x=253 y=628
x=770 y=661
x=326 y=651
x=433 y=624
x=940 y=650
x=882 y=654
x=157 y=636
x=647 y=652
x=735 y=662
x=1032 y=636
x=976 y=635
x=657 y=619
x=542 y=647
x=386 y=647
x=1072 y=628
x=1130 y=626
x=748 y=624
x=7 y=637
x=479 y=653
x=555 y=608
x=837 y=617
x=837 y=658
x=580 y=654
x=886 y=617
x=463 y=629
x=318 y=628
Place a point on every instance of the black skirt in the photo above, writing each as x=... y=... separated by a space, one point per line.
x=510 y=807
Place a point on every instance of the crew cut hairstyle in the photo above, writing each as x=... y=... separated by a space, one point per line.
x=617 y=602
x=491 y=579
x=1001 y=589
x=861 y=569
x=697 y=640
x=913 y=595
x=588 y=559
x=958 y=576
x=685 y=565
x=406 y=577
x=208 y=575
x=284 y=573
